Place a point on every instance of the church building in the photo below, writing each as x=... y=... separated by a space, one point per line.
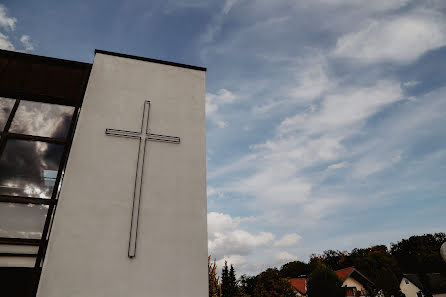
x=102 y=177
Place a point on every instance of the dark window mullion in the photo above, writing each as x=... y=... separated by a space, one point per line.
x=25 y=200
x=51 y=208
x=17 y=255
x=19 y=241
x=7 y=126
x=35 y=138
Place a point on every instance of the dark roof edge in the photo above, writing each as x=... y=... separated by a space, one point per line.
x=150 y=60
x=52 y=59
x=362 y=275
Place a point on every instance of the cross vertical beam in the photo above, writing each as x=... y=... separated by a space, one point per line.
x=142 y=136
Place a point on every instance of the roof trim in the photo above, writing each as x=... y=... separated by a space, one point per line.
x=52 y=59
x=354 y=270
x=365 y=277
x=97 y=51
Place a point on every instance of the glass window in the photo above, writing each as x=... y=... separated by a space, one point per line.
x=42 y=119
x=22 y=220
x=5 y=108
x=29 y=168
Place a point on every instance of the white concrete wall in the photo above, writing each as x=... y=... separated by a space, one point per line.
x=410 y=290
x=87 y=254
x=351 y=282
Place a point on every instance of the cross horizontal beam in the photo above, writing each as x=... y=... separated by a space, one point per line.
x=122 y=133
x=148 y=136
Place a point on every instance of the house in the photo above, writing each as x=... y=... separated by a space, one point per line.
x=412 y=284
x=353 y=281
x=300 y=286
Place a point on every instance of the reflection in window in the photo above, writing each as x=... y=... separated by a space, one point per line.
x=27 y=168
x=22 y=220
x=5 y=108
x=42 y=119
x=49 y=177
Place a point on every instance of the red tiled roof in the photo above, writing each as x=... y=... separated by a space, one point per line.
x=343 y=273
x=299 y=284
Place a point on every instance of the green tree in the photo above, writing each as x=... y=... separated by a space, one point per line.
x=323 y=282
x=334 y=259
x=214 y=286
x=295 y=269
x=247 y=285
x=270 y=284
x=420 y=254
x=225 y=281
x=380 y=266
x=232 y=282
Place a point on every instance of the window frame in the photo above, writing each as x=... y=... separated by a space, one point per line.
x=41 y=243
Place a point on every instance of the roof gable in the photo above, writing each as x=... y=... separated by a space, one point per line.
x=436 y=281
x=299 y=284
x=343 y=274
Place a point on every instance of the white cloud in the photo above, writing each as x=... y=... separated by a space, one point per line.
x=26 y=41
x=345 y=107
x=214 y=102
x=312 y=80
x=237 y=242
x=288 y=240
x=231 y=260
x=399 y=39
x=211 y=191
x=411 y=83
x=320 y=114
x=221 y=124
x=285 y=257
x=338 y=165
x=227 y=239
x=228 y=5
x=372 y=6
x=5 y=43
x=218 y=222
x=309 y=139
x=6 y=22
x=371 y=164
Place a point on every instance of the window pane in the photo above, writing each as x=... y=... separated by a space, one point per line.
x=29 y=168
x=42 y=119
x=5 y=108
x=22 y=220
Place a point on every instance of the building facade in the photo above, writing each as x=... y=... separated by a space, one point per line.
x=103 y=177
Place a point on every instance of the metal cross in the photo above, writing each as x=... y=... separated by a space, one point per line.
x=143 y=136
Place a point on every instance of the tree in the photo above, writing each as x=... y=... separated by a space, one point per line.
x=247 y=285
x=420 y=254
x=334 y=259
x=295 y=269
x=225 y=281
x=214 y=286
x=323 y=282
x=270 y=284
x=229 y=287
x=232 y=282
x=380 y=266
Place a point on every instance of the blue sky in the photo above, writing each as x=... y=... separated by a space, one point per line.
x=325 y=118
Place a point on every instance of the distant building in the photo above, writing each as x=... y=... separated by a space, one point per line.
x=352 y=280
x=412 y=284
x=299 y=285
